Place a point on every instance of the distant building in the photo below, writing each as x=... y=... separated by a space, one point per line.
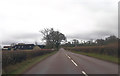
x=41 y=46
x=23 y=46
x=7 y=48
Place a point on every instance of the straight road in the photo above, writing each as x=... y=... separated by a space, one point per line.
x=65 y=62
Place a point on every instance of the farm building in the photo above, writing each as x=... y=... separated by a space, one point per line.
x=7 y=48
x=23 y=46
x=41 y=46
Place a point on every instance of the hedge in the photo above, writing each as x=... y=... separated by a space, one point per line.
x=13 y=57
x=111 y=50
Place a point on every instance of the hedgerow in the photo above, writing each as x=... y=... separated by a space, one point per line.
x=13 y=57
x=111 y=49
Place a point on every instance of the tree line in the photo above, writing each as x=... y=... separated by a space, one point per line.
x=55 y=38
x=98 y=42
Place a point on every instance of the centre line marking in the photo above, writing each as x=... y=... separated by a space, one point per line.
x=84 y=73
x=68 y=56
x=74 y=63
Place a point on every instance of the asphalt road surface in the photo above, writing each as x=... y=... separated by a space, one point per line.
x=65 y=62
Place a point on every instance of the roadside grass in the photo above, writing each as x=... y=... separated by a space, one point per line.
x=100 y=56
x=20 y=68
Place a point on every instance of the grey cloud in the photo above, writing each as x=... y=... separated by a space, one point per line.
x=23 y=37
x=91 y=35
x=8 y=42
x=101 y=12
x=26 y=36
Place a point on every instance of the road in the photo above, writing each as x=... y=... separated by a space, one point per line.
x=65 y=62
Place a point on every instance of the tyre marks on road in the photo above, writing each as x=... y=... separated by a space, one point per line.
x=83 y=72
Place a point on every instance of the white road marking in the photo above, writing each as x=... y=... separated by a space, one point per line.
x=84 y=73
x=74 y=63
x=72 y=60
x=68 y=56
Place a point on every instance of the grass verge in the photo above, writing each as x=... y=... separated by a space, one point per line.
x=100 y=56
x=20 y=68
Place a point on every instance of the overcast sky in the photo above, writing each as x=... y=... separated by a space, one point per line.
x=21 y=20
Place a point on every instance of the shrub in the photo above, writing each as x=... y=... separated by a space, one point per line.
x=36 y=48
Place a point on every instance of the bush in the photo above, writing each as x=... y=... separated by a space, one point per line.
x=13 y=57
x=36 y=48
